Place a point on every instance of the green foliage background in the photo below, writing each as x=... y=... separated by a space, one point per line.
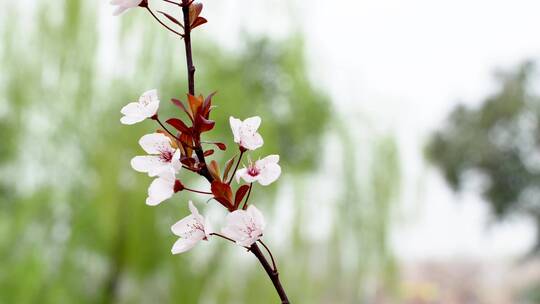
x=73 y=224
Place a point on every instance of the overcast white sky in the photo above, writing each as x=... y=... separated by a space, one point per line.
x=406 y=64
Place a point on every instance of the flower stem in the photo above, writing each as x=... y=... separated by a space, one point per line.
x=269 y=253
x=236 y=167
x=197 y=191
x=223 y=237
x=156 y=118
x=247 y=197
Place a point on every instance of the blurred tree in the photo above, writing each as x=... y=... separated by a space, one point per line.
x=499 y=143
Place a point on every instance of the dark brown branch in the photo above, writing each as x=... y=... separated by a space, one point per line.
x=274 y=275
x=187 y=43
x=191 y=83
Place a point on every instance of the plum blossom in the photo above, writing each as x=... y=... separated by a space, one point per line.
x=245 y=132
x=265 y=171
x=191 y=230
x=245 y=227
x=146 y=107
x=123 y=5
x=163 y=187
x=162 y=155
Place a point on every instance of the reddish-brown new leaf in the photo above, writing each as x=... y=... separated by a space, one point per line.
x=208 y=152
x=199 y=21
x=240 y=193
x=171 y=18
x=207 y=105
x=183 y=107
x=222 y=193
x=228 y=167
x=179 y=125
x=204 y=125
x=195 y=103
x=214 y=170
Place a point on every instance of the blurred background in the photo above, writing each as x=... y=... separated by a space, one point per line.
x=408 y=132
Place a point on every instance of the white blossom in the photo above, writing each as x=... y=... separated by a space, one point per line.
x=191 y=230
x=161 y=188
x=265 y=171
x=146 y=107
x=245 y=132
x=245 y=227
x=123 y=5
x=162 y=155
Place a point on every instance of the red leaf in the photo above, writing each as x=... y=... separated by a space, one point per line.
x=228 y=167
x=181 y=105
x=195 y=103
x=222 y=193
x=207 y=105
x=199 y=21
x=221 y=146
x=179 y=125
x=194 y=11
x=208 y=152
x=203 y=124
x=171 y=18
x=240 y=193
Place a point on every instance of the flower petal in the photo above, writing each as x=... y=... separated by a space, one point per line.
x=131 y=120
x=160 y=189
x=155 y=143
x=183 y=245
x=269 y=174
x=257 y=217
x=235 y=127
x=193 y=209
x=252 y=123
x=181 y=227
x=252 y=142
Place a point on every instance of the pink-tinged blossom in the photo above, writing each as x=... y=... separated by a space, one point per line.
x=245 y=132
x=161 y=188
x=123 y=5
x=162 y=155
x=146 y=107
x=245 y=227
x=191 y=230
x=265 y=171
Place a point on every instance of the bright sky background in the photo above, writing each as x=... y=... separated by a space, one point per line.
x=405 y=65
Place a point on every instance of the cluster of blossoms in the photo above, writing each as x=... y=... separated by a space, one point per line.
x=168 y=154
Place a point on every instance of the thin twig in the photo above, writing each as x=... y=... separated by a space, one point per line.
x=161 y=22
x=165 y=128
x=197 y=191
x=172 y=2
x=270 y=253
x=236 y=167
x=224 y=237
x=247 y=197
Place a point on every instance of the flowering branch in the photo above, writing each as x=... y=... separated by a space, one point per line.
x=168 y=153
